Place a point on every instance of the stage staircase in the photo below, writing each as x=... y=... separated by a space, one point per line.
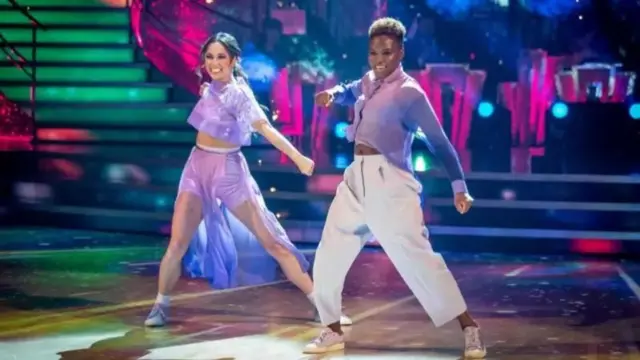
x=93 y=83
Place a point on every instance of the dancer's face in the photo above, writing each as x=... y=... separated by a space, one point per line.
x=385 y=55
x=218 y=62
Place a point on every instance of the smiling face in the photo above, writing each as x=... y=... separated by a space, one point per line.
x=218 y=62
x=385 y=55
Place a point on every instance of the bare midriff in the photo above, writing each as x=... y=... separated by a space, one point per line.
x=207 y=140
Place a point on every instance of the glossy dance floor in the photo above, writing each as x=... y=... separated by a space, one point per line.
x=64 y=297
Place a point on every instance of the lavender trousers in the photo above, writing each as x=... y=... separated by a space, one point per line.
x=223 y=250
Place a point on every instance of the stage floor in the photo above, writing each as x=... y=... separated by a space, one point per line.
x=83 y=295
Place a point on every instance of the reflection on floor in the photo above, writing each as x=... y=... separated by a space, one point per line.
x=83 y=295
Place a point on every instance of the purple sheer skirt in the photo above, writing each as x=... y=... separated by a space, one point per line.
x=223 y=250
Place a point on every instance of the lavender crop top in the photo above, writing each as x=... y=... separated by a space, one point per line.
x=227 y=111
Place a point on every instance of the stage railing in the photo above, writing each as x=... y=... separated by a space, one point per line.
x=19 y=60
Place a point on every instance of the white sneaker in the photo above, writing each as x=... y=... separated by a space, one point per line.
x=344 y=319
x=473 y=345
x=328 y=341
x=158 y=316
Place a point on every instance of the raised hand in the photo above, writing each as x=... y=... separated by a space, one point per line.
x=324 y=99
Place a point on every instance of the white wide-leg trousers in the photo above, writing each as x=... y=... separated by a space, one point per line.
x=377 y=198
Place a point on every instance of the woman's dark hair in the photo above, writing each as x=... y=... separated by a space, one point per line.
x=231 y=45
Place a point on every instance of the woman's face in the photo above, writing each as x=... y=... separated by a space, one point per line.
x=385 y=55
x=218 y=62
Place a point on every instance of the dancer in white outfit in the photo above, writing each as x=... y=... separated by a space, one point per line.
x=380 y=196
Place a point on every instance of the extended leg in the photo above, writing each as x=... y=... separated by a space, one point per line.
x=266 y=228
x=342 y=239
x=186 y=217
x=264 y=225
x=395 y=218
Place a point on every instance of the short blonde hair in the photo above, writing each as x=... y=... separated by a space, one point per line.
x=389 y=27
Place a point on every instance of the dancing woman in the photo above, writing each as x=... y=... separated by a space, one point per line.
x=215 y=174
x=379 y=195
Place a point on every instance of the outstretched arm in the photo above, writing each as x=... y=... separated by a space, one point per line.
x=264 y=128
x=421 y=115
x=250 y=113
x=346 y=94
x=304 y=164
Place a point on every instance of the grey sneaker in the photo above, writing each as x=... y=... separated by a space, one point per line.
x=473 y=345
x=158 y=316
x=328 y=341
